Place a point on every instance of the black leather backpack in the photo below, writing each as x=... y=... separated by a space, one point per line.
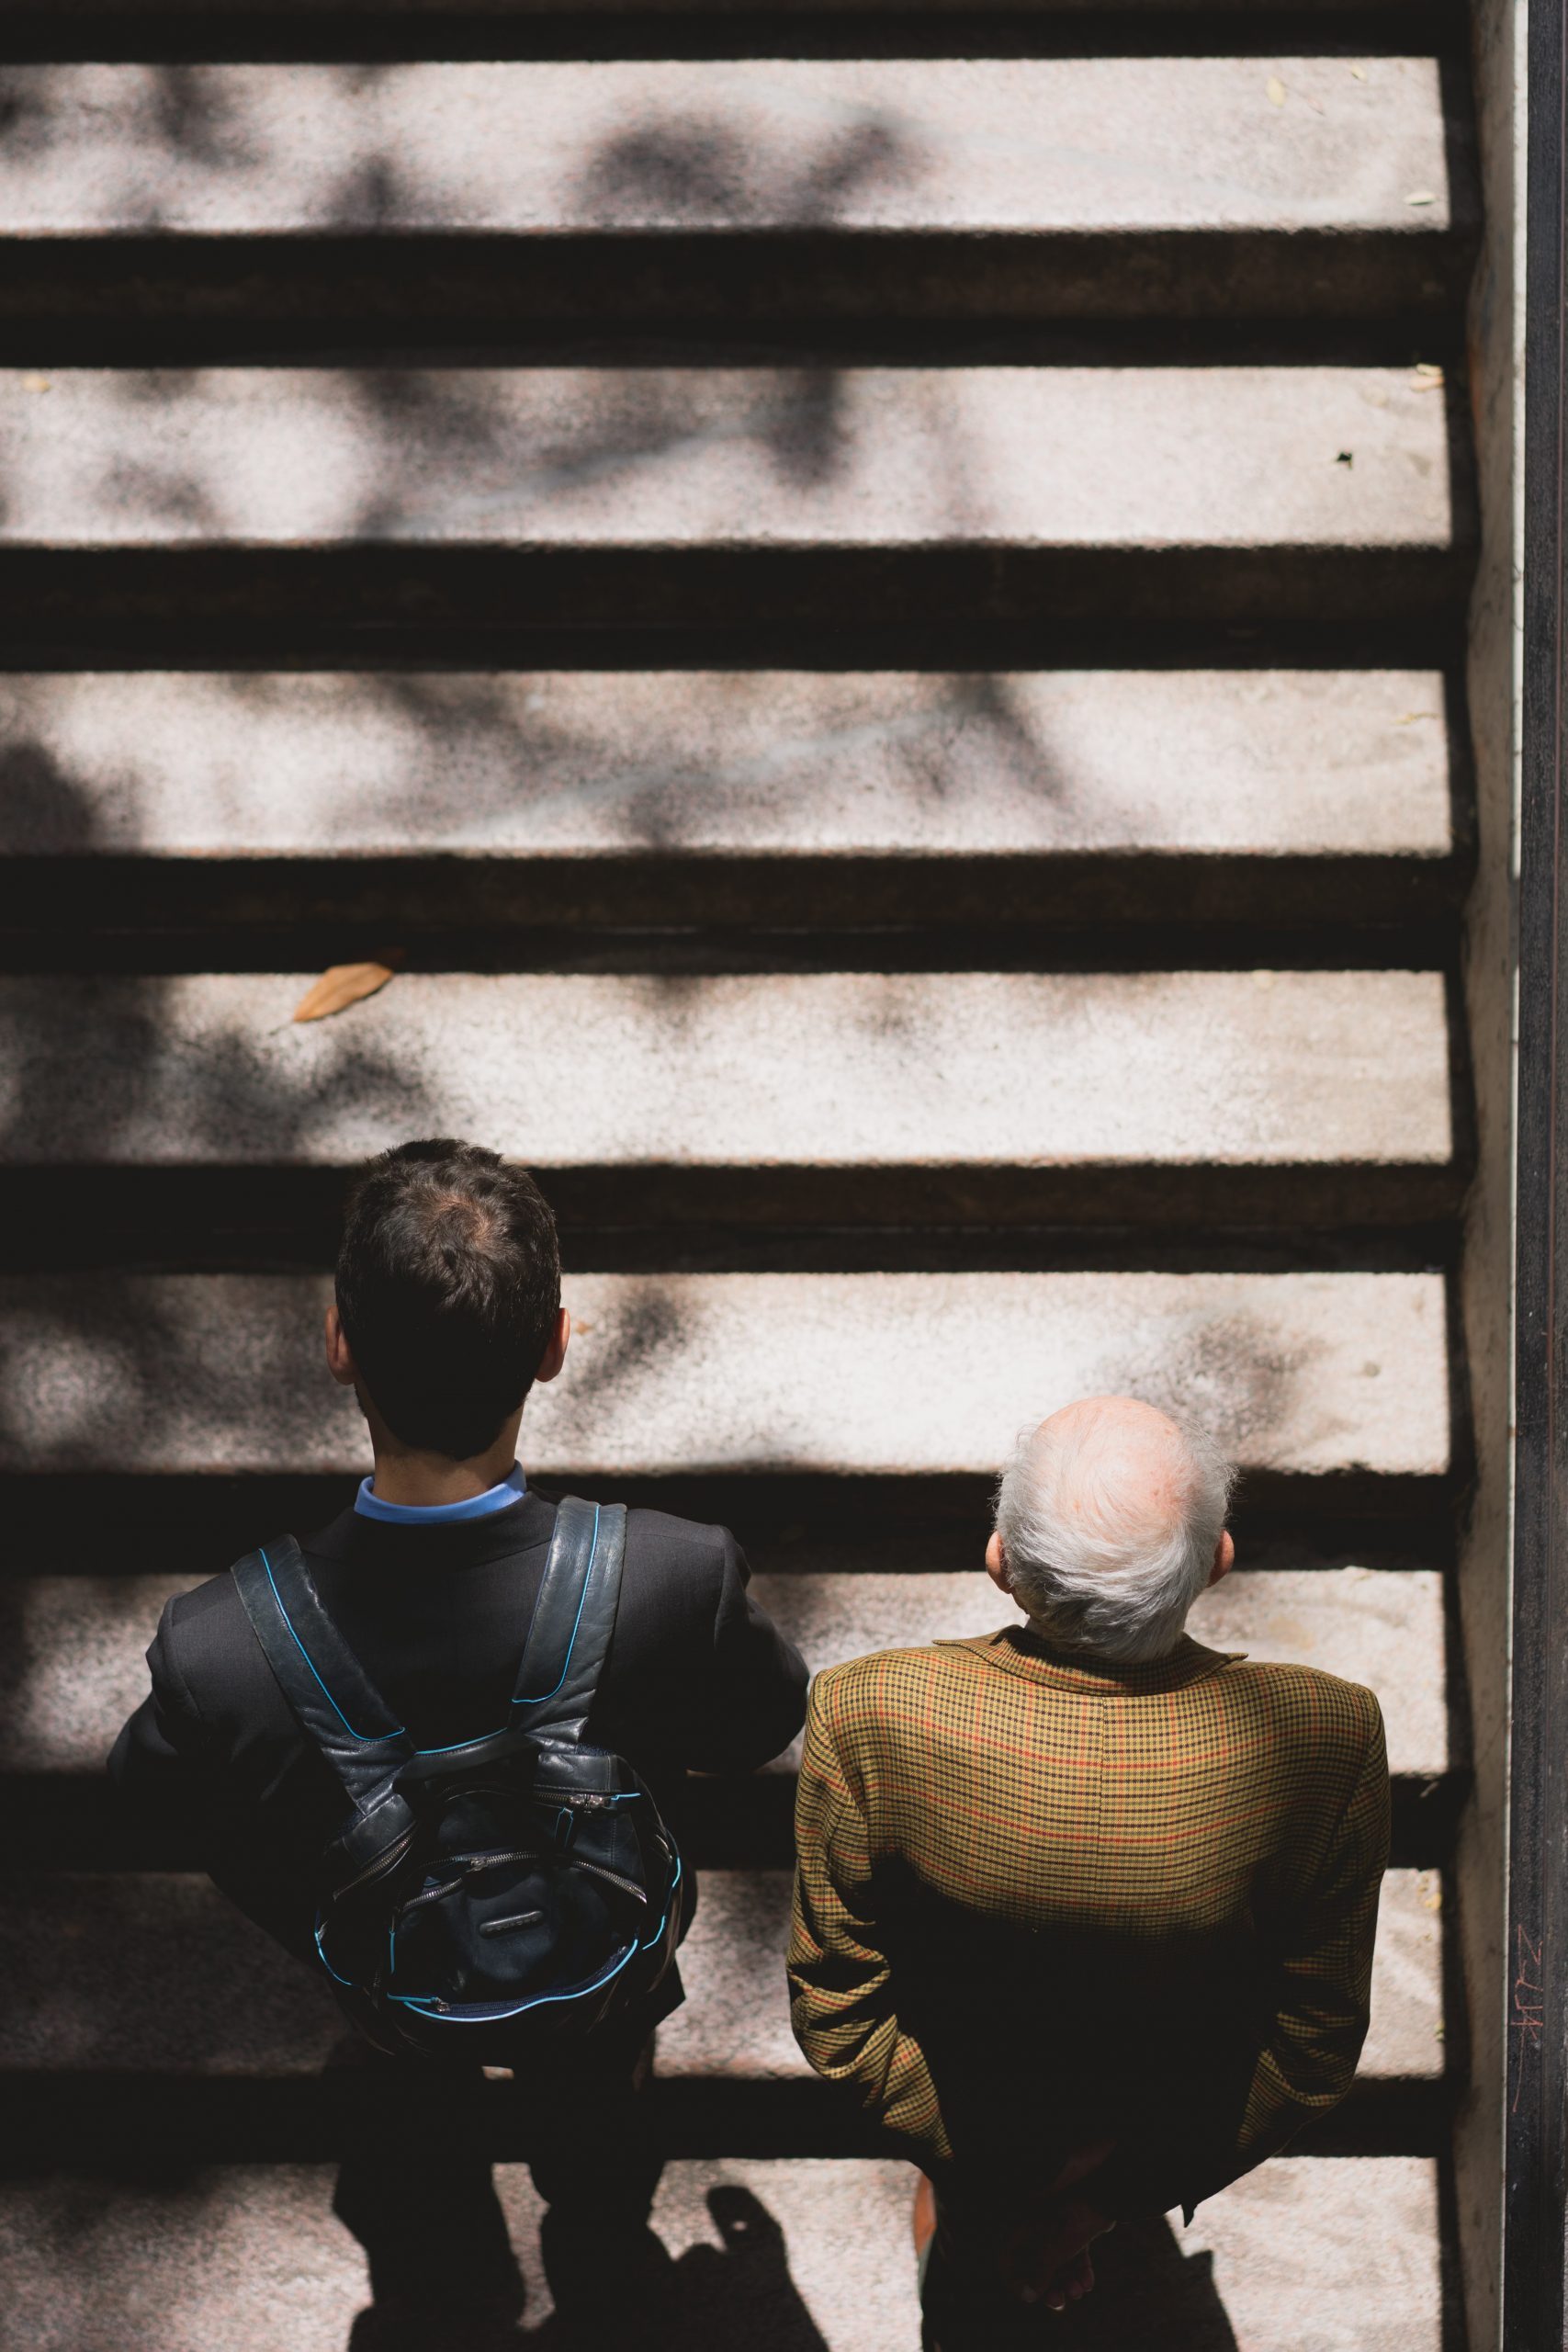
x=498 y=1898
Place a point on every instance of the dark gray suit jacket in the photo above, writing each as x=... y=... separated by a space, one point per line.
x=698 y=1679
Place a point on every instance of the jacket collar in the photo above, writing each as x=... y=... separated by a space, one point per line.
x=1018 y=1649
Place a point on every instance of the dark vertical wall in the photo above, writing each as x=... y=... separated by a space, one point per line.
x=1536 y=1959
x=1486 y=1277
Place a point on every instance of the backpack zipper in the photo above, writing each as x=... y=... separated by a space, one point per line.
x=470 y=1865
x=382 y=1861
x=628 y=1885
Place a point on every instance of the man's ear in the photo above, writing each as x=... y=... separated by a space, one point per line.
x=996 y=1565
x=1224 y=1557
x=554 y=1356
x=340 y=1356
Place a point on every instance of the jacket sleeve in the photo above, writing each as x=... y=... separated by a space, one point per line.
x=1323 y=1969
x=1325 y=1972
x=749 y=1701
x=176 y=1801
x=158 y=1764
x=841 y=2003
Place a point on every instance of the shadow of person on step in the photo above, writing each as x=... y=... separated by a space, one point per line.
x=1148 y=2292
x=742 y=2294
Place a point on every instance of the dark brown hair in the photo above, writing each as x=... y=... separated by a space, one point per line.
x=448 y=1284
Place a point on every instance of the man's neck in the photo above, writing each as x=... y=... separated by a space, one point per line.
x=422 y=1481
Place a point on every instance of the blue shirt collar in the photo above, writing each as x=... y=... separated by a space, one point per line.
x=368 y=1504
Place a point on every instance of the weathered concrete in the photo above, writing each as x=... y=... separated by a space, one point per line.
x=1383 y=1629
x=738 y=458
x=554 y=765
x=736 y=2020
x=75 y=1644
x=1310 y=2254
x=157 y=1973
x=1026 y=145
x=1325 y=2256
x=814 y=1069
x=108 y=11
x=1309 y=1374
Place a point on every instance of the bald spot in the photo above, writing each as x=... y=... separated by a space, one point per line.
x=1114 y=1463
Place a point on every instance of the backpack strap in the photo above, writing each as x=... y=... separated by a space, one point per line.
x=573 y=1619
x=333 y=1698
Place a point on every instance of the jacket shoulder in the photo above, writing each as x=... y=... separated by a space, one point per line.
x=864 y=1689
x=660 y=1532
x=206 y=1657
x=679 y=1580
x=1307 y=1702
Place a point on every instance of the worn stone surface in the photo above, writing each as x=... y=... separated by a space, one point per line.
x=77 y=1645
x=736 y=2020
x=698 y=1373
x=1312 y=458
x=1310 y=2254
x=563 y=763
x=74 y=1644
x=1314 y=2256
x=157 y=1973
x=957 y=144
x=1381 y=1628
x=107 y=11
x=815 y=1070
x=786 y=2258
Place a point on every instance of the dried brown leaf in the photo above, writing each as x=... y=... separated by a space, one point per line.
x=340 y=986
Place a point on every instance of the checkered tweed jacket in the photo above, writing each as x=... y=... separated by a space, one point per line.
x=1041 y=1900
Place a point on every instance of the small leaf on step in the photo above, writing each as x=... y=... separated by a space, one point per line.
x=339 y=987
x=1275 y=89
x=1421 y=195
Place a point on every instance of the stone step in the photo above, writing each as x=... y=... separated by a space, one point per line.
x=1304 y=1377
x=665 y=494
x=1309 y=2254
x=79 y=1641
x=157 y=1974
x=1421 y=16
x=858 y=1094
x=1084 y=186
x=518 y=800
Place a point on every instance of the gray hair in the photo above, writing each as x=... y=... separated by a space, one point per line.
x=1097 y=1567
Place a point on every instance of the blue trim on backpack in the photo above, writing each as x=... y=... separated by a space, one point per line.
x=665 y=1921
x=367 y=1738
x=539 y=1697
x=492 y=2013
x=326 y=1963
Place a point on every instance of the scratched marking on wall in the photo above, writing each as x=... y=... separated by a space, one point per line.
x=1529 y=2001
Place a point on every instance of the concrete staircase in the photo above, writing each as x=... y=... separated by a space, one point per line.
x=873 y=607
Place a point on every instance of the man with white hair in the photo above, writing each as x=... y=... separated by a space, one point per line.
x=1084 y=1911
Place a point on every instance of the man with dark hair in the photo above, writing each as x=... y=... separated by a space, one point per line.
x=447 y=1310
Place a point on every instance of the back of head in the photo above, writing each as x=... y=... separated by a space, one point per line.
x=1110 y=1515
x=448 y=1285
